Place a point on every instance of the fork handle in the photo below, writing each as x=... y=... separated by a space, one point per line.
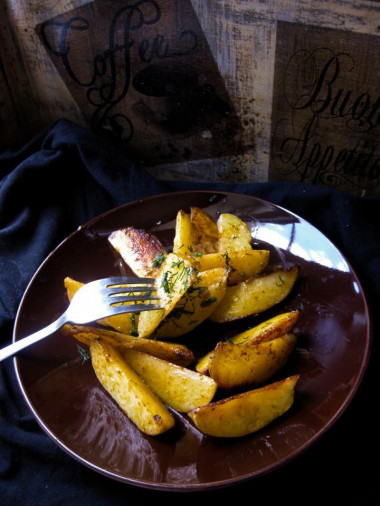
x=23 y=343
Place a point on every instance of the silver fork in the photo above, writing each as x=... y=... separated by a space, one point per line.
x=94 y=301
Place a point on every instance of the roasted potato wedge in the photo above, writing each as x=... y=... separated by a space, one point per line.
x=71 y=286
x=176 y=275
x=173 y=352
x=238 y=365
x=183 y=243
x=247 y=412
x=242 y=264
x=140 y=250
x=233 y=233
x=130 y=392
x=203 y=363
x=255 y=295
x=196 y=305
x=269 y=329
x=205 y=231
x=125 y=323
x=178 y=387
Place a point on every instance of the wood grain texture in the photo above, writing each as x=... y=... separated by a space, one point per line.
x=242 y=37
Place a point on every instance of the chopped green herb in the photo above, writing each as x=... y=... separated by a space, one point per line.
x=198 y=289
x=226 y=258
x=83 y=353
x=158 y=260
x=171 y=279
x=177 y=264
x=134 y=332
x=280 y=281
x=209 y=301
x=165 y=282
x=198 y=254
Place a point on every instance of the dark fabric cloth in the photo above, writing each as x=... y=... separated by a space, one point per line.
x=67 y=175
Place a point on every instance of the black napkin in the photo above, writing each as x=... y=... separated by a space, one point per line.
x=67 y=175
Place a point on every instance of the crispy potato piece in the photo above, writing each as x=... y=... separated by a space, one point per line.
x=247 y=412
x=205 y=231
x=242 y=264
x=269 y=329
x=71 y=286
x=173 y=352
x=139 y=249
x=234 y=234
x=130 y=392
x=255 y=295
x=178 y=387
x=125 y=323
x=176 y=275
x=237 y=365
x=183 y=243
x=203 y=364
x=196 y=305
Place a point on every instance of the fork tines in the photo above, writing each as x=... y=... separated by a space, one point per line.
x=128 y=280
x=131 y=288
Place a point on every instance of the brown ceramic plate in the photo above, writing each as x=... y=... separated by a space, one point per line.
x=73 y=409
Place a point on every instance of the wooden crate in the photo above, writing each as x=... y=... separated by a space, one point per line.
x=210 y=90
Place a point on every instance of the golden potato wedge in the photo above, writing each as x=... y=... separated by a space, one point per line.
x=178 y=387
x=71 y=286
x=237 y=365
x=269 y=329
x=205 y=231
x=176 y=275
x=140 y=250
x=173 y=352
x=125 y=323
x=245 y=413
x=255 y=295
x=183 y=243
x=196 y=305
x=234 y=234
x=242 y=264
x=203 y=363
x=131 y=393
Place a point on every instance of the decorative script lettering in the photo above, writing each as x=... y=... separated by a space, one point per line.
x=330 y=134
x=108 y=79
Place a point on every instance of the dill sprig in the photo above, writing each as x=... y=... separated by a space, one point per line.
x=208 y=302
x=83 y=353
x=157 y=262
x=134 y=332
x=171 y=279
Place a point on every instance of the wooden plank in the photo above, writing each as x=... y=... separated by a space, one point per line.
x=242 y=55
